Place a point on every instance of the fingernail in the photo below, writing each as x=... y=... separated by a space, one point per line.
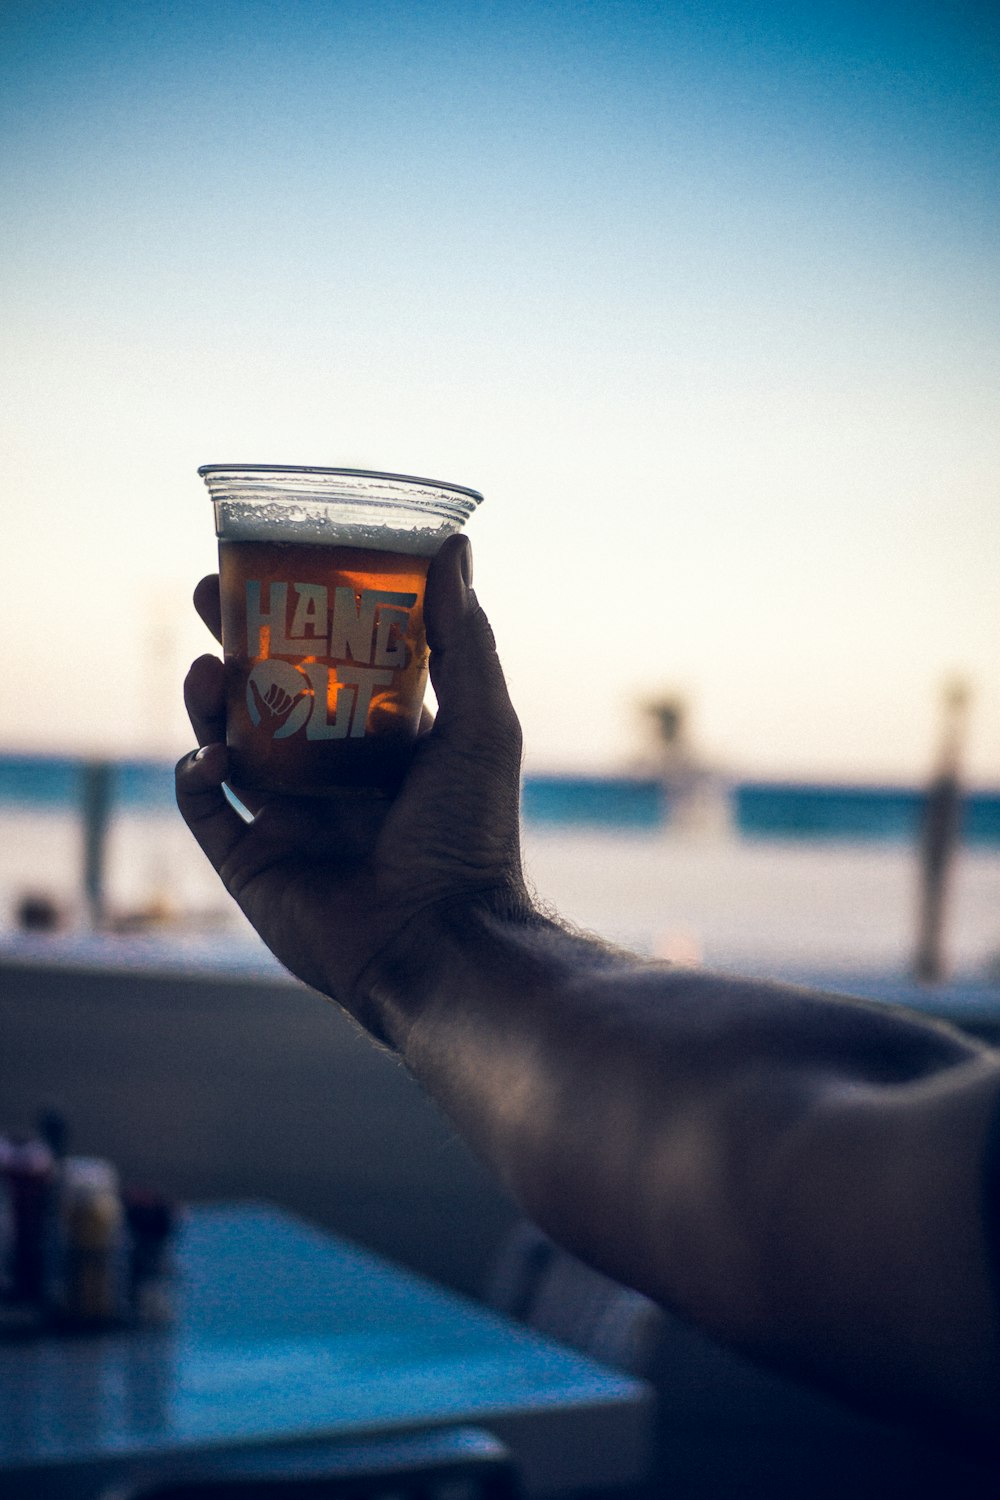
x=200 y=754
x=465 y=562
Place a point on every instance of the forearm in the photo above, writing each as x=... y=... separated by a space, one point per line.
x=800 y=1174
x=741 y=1151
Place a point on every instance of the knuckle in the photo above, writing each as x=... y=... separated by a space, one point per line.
x=479 y=622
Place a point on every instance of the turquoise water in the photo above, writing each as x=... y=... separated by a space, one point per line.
x=37 y=782
x=760 y=810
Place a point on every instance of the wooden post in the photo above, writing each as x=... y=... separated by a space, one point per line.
x=939 y=837
x=95 y=802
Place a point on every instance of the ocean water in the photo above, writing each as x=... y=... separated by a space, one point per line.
x=776 y=810
x=793 y=879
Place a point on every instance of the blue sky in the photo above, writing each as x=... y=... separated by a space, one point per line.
x=703 y=297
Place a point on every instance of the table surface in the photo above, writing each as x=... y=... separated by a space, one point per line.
x=285 y=1334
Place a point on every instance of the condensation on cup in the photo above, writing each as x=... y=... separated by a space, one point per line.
x=322 y=580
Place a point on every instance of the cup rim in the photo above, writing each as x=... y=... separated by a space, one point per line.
x=438 y=484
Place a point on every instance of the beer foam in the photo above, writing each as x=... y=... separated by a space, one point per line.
x=344 y=507
x=235 y=522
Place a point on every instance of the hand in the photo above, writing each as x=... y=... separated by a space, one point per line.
x=276 y=707
x=330 y=883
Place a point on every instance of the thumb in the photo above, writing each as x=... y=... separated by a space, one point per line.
x=473 y=702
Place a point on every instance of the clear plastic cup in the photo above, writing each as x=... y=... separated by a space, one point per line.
x=322 y=578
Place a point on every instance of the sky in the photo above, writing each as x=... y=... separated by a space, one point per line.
x=703 y=297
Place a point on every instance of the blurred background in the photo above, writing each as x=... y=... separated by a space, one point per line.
x=703 y=297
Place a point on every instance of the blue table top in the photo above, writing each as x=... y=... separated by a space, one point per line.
x=284 y=1333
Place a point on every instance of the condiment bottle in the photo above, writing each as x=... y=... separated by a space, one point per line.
x=92 y=1224
x=30 y=1173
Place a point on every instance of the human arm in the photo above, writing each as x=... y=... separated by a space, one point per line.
x=798 y=1173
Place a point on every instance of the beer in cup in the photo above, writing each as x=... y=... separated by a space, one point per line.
x=322 y=576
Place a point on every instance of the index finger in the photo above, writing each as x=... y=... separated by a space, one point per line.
x=208 y=605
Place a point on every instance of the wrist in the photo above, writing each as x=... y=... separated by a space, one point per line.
x=441 y=948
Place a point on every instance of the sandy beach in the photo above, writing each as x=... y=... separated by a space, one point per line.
x=767 y=905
